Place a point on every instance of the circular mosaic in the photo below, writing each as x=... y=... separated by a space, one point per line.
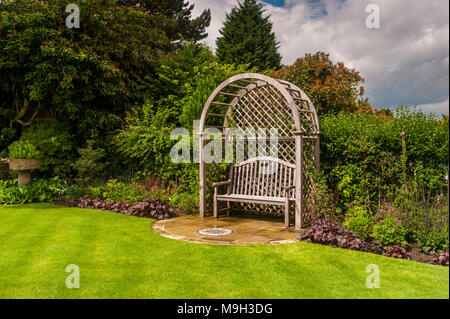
x=215 y=231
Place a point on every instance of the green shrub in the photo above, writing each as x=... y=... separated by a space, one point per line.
x=359 y=220
x=319 y=201
x=146 y=144
x=359 y=138
x=118 y=191
x=429 y=240
x=112 y=191
x=76 y=191
x=349 y=183
x=90 y=164
x=56 y=147
x=7 y=136
x=186 y=202
x=426 y=216
x=184 y=83
x=388 y=229
x=22 y=149
x=424 y=212
x=365 y=156
x=39 y=190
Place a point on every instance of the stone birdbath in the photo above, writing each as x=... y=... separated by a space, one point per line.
x=23 y=157
x=24 y=166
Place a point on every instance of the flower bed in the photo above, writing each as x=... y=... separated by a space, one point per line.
x=331 y=233
x=149 y=207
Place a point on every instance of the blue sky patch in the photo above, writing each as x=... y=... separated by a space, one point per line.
x=317 y=6
x=275 y=3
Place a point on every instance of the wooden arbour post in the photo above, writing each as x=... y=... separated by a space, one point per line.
x=298 y=179
x=202 y=175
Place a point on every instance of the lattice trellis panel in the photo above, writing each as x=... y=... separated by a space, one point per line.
x=263 y=107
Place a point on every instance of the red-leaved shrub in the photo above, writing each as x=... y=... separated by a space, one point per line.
x=331 y=233
x=149 y=207
x=441 y=259
x=397 y=251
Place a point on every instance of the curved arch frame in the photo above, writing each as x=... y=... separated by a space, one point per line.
x=290 y=93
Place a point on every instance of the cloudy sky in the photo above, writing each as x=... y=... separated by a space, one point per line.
x=405 y=61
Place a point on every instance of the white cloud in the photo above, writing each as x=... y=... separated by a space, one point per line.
x=219 y=8
x=406 y=61
x=438 y=108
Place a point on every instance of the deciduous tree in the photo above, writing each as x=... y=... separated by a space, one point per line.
x=88 y=77
x=332 y=87
x=179 y=24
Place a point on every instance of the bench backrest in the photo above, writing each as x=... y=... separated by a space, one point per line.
x=262 y=176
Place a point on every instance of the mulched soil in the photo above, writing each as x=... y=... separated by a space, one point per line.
x=418 y=255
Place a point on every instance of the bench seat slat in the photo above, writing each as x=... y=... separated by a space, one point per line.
x=252 y=199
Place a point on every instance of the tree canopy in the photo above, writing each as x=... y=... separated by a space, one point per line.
x=88 y=77
x=332 y=87
x=179 y=24
x=247 y=38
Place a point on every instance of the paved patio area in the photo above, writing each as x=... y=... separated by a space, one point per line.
x=245 y=230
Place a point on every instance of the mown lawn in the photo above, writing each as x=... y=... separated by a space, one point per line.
x=121 y=257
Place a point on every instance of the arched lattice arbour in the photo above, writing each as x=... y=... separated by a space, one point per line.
x=252 y=101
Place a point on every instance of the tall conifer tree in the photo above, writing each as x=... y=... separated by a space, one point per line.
x=247 y=38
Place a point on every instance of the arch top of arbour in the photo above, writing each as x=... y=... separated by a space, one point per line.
x=236 y=88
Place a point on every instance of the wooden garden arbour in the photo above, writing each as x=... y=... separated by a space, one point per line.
x=253 y=100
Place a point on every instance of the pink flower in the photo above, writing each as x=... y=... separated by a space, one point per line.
x=402 y=133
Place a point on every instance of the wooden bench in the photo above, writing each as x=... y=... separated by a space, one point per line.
x=260 y=180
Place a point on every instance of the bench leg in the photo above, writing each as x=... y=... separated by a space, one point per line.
x=228 y=209
x=215 y=203
x=286 y=213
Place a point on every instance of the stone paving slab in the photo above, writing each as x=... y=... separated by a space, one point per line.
x=246 y=231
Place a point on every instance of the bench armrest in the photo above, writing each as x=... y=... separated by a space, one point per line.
x=286 y=190
x=217 y=184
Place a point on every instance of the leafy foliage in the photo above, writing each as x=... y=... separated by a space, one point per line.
x=425 y=216
x=319 y=201
x=441 y=259
x=359 y=220
x=146 y=140
x=178 y=24
x=388 y=229
x=185 y=83
x=39 y=190
x=55 y=145
x=366 y=139
x=397 y=251
x=362 y=154
x=350 y=185
x=118 y=191
x=90 y=164
x=247 y=38
x=331 y=87
x=186 y=202
x=22 y=149
x=329 y=232
x=88 y=76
